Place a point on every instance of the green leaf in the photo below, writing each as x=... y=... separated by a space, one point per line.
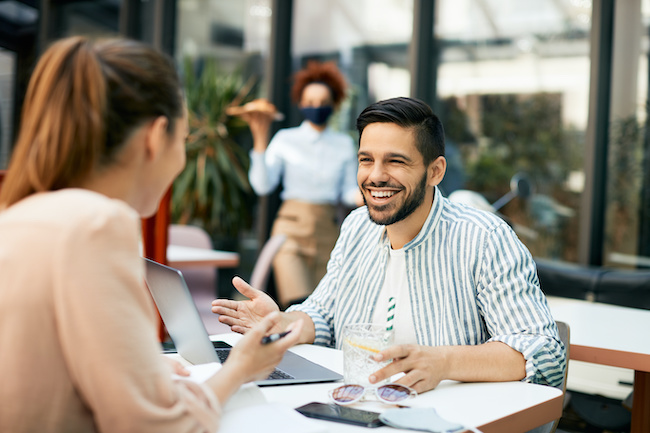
x=213 y=189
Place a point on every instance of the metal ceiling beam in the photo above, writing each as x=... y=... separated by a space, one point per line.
x=592 y=234
x=487 y=13
x=423 y=61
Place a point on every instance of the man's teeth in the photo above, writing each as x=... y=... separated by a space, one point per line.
x=382 y=193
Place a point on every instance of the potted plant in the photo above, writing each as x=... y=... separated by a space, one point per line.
x=213 y=190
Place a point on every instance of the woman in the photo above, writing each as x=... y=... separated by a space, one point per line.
x=318 y=169
x=101 y=139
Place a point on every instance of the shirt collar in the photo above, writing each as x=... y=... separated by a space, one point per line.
x=429 y=224
x=432 y=220
x=310 y=133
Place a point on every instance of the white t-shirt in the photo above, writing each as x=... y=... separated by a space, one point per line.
x=396 y=285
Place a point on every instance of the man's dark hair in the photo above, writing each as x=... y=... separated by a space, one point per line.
x=408 y=113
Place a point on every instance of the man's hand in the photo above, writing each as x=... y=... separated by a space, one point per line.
x=424 y=366
x=243 y=315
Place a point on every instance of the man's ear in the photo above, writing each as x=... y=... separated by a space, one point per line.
x=155 y=137
x=436 y=170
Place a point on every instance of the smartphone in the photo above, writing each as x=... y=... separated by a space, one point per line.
x=348 y=415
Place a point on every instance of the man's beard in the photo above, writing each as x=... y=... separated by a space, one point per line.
x=407 y=208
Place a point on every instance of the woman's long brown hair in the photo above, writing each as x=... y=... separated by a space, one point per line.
x=83 y=100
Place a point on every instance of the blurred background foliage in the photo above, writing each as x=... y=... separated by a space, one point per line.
x=523 y=133
x=213 y=190
x=625 y=179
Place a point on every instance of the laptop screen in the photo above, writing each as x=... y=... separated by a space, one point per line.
x=177 y=309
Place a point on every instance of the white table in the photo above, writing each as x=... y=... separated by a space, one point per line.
x=611 y=335
x=181 y=256
x=506 y=407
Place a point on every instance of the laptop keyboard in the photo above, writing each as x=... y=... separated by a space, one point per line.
x=276 y=374
x=279 y=374
x=222 y=354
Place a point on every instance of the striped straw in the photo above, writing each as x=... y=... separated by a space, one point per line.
x=391 y=314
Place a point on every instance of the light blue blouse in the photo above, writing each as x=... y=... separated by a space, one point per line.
x=316 y=167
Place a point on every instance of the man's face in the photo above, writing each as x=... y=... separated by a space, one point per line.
x=392 y=176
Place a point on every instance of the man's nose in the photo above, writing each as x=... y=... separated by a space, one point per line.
x=378 y=174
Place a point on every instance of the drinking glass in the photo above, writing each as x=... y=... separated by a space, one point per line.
x=360 y=342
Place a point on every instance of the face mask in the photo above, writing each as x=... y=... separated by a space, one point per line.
x=424 y=419
x=317 y=115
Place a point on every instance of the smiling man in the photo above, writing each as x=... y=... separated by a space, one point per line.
x=468 y=302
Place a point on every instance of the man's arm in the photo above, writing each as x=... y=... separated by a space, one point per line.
x=514 y=308
x=523 y=343
x=426 y=366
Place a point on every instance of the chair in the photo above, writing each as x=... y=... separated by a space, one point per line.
x=262 y=268
x=189 y=236
x=628 y=288
x=565 y=336
x=202 y=281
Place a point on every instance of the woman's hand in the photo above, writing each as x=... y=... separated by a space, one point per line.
x=177 y=367
x=256 y=360
x=241 y=316
x=250 y=359
x=260 y=124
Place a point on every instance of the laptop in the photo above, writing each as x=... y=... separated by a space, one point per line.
x=186 y=329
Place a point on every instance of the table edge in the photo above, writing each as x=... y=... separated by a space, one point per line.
x=612 y=357
x=223 y=263
x=527 y=419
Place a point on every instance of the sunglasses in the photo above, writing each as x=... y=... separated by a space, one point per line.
x=389 y=393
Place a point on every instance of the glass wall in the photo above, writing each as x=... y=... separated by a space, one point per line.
x=222 y=50
x=513 y=84
x=7 y=68
x=91 y=17
x=627 y=227
x=234 y=33
x=369 y=40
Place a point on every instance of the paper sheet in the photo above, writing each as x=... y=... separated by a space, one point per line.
x=201 y=372
x=247 y=411
x=249 y=394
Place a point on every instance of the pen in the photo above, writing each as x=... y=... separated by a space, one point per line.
x=274 y=337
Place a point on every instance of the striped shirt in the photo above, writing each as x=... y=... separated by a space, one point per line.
x=470 y=281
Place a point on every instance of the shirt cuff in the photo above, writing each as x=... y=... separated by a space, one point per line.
x=323 y=336
x=256 y=156
x=545 y=361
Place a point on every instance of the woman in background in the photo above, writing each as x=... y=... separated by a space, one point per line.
x=318 y=169
x=101 y=139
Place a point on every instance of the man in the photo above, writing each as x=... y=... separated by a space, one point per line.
x=468 y=302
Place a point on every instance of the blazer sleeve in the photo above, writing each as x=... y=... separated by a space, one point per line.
x=107 y=325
